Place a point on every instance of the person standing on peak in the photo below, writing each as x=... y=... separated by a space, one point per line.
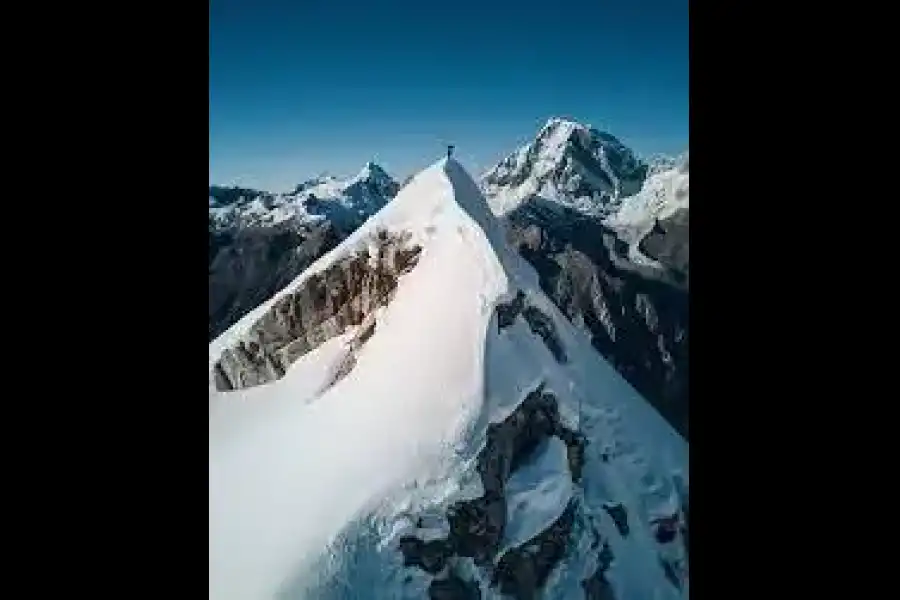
x=449 y=151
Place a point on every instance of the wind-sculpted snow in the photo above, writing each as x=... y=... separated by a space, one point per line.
x=409 y=476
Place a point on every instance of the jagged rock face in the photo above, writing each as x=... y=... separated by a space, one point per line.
x=637 y=316
x=477 y=526
x=539 y=323
x=522 y=571
x=327 y=304
x=453 y=588
x=259 y=242
x=248 y=266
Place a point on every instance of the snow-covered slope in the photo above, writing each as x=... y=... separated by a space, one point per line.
x=572 y=164
x=412 y=417
x=611 y=250
x=664 y=193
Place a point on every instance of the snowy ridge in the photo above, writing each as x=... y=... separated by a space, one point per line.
x=310 y=485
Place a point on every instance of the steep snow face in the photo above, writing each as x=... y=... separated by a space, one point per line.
x=475 y=441
x=663 y=194
x=570 y=163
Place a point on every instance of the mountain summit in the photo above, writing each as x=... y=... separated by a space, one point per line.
x=412 y=417
x=569 y=163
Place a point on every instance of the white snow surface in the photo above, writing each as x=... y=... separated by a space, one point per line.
x=537 y=493
x=306 y=486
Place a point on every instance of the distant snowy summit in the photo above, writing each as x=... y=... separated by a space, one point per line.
x=344 y=202
x=570 y=163
x=576 y=167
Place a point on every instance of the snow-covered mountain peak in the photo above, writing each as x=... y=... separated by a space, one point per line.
x=374 y=172
x=570 y=163
x=412 y=417
x=344 y=202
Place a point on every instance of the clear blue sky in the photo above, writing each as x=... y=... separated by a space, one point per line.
x=297 y=88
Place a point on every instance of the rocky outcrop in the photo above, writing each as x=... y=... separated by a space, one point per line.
x=327 y=304
x=542 y=326
x=477 y=526
x=637 y=316
x=259 y=242
x=429 y=556
x=249 y=265
x=453 y=587
x=619 y=515
x=508 y=311
x=539 y=323
x=669 y=243
x=522 y=571
x=597 y=586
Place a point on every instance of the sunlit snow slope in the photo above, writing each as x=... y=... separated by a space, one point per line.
x=445 y=434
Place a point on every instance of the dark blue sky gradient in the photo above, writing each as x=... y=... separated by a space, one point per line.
x=299 y=88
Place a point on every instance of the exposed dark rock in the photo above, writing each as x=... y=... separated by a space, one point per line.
x=453 y=588
x=247 y=266
x=669 y=570
x=539 y=323
x=543 y=326
x=328 y=303
x=605 y=558
x=477 y=526
x=507 y=313
x=575 y=445
x=522 y=571
x=619 y=516
x=669 y=243
x=430 y=556
x=666 y=529
x=511 y=442
x=597 y=586
x=637 y=316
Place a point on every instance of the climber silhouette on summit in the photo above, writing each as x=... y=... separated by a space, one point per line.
x=449 y=151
